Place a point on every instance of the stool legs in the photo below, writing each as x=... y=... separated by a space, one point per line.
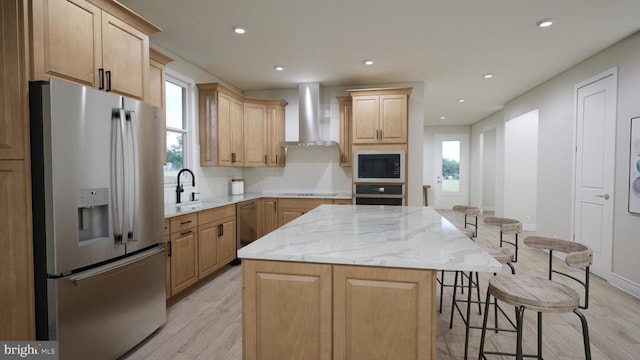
x=519 y=329
x=585 y=334
x=515 y=244
x=484 y=327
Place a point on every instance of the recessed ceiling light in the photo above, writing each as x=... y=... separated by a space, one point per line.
x=368 y=62
x=545 y=23
x=238 y=29
x=279 y=68
x=460 y=100
x=487 y=76
x=442 y=117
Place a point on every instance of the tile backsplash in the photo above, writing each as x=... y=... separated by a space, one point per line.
x=315 y=169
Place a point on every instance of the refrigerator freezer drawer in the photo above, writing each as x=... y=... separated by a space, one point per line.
x=104 y=312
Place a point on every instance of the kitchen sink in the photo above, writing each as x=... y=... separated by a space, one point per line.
x=192 y=205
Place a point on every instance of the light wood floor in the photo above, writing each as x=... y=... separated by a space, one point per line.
x=206 y=323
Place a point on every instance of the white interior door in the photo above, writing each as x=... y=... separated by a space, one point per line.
x=594 y=170
x=451 y=170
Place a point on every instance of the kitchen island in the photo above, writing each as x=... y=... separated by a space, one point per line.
x=351 y=282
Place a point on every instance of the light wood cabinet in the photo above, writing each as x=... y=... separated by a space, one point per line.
x=77 y=41
x=255 y=134
x=17 y=318
x=346 y=154
x=326 y=311
x=239 y=131
x=384 y=313
x=292 y=208
x=216 y=239
x=286 y=310
x=167 y=240
x=343 y=201
x=16 y=264
x=183 y=251
x=221 y=126
x=268 y=216
x=380 y=116
x=275 y=132
x=156 y=95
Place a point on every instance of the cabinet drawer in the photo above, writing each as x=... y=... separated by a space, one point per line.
x=216 y=214
x=306 y=204
x=183 y=222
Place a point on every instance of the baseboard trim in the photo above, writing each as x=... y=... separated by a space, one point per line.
x=626 y=285
x=529 y=227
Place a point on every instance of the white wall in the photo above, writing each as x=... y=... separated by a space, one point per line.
x=493 y=125
x=521 y=169
x=488 y=170
x=555 y=100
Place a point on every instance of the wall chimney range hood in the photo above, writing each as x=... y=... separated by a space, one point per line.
x=309 y=119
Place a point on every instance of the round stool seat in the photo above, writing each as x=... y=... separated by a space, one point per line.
x=468 y=210
x=505 y=224
x=534 y=293
x=502 y=255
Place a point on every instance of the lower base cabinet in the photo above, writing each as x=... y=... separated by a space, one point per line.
x=322 y=311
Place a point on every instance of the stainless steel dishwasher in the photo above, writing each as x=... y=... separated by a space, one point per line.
x=247 y=216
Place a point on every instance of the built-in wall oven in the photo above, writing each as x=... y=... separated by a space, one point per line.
x=374 y=194
x=379 y=177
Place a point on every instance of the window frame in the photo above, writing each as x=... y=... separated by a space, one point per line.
x=170 y=178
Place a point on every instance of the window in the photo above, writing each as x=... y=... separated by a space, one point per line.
x=177 y=129
x=451 y=166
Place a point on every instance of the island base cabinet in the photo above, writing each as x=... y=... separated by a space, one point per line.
x=322 y=311
x=286 y=310
x=383 y=313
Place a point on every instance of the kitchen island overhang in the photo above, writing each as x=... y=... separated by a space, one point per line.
x=351 y=282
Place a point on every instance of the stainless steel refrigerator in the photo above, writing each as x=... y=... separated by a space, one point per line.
x=98 y=214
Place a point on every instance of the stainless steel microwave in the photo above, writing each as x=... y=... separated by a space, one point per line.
x=379 y=166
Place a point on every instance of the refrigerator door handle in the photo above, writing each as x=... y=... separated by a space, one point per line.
x=132 y=171
x=118 y=211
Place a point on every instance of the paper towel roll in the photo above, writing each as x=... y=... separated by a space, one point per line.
x=237 y=186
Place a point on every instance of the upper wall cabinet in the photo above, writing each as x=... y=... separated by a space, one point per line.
x=344 y=103
x=156 y=95
x=380 y=116
x=78 y=41
x=221 y=126
x=275 y=132
x=239 y=131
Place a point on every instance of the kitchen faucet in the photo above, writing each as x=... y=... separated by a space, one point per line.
x=180 y=188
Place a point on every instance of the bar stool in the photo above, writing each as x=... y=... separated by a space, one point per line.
x=507 y=226
x=468 y=212
x=441 y=281
x=542 y=295
x=425 y=194
x=504 y=257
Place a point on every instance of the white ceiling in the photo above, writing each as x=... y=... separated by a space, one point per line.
x=447 y=44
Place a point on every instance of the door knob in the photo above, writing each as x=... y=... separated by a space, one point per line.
x=604 y=196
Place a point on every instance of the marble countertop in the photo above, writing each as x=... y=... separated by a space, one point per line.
x=210 y=203
x=388 y=236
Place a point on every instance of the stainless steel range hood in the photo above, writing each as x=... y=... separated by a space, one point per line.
x=309 y=119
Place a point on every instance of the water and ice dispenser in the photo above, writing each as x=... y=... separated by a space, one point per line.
x=93 y=213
